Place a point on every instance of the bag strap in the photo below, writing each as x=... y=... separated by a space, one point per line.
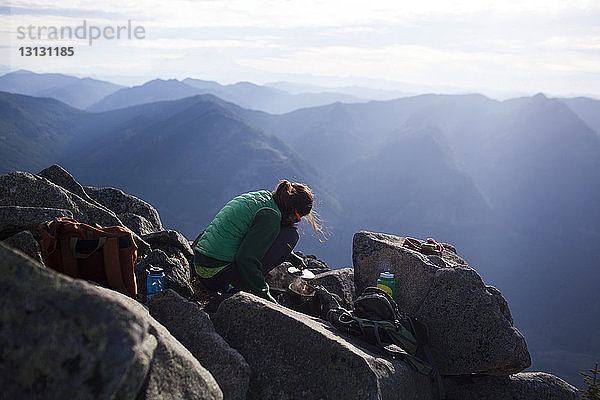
x=112 y=265
x=404 y=338
x=439 y=391
x=420 y=365
x=73 y=245
x=71 y=267
x=422 y=335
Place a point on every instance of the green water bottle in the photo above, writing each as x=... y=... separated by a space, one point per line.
x=386 y=282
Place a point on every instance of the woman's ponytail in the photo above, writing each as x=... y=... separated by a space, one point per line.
x=292 y=198
x=283 y=195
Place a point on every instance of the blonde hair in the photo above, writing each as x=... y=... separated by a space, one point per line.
x=297 y=197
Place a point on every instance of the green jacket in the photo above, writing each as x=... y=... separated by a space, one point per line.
x=242 y=231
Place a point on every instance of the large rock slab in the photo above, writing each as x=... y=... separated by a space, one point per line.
x=26 y=190
x=471 y=330
x=26 y=243
x=294 y=356
x=171 y=242
x=68 y=339
x=57 y=175
x=194 y=329
x=135 y=213
x=15 y=219
x=523 y=386
x=137 y=224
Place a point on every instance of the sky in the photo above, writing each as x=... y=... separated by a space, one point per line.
x=499 y=48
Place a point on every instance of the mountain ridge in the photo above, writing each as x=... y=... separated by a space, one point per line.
x=245 y=94
x=532 y=160
x=76 y=92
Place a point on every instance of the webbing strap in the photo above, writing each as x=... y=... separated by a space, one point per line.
x=68 y=259
x=112 y=266
x=407 y=339
x=73 y=244
x=395 y=331
x=439 y=391
x=422 y=334
x=419 y=364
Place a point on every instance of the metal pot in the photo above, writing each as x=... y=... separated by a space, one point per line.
x=300 y=292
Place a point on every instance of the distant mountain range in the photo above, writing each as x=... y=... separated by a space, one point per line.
x=96 y=95
x=513 y=184
x=244 y=94
x=196 y=151
x=356 y=91
x=276 y=97
x=76 y=92
x=187 y=157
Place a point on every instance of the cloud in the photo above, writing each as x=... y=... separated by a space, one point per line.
x=420 y=64
x=474 y=43
x=176 y=43
x=572 y=43
x=306 y=13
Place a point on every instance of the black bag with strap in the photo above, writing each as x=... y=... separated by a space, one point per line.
x=376 y=319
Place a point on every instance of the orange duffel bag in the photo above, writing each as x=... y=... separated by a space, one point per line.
x=105 y=255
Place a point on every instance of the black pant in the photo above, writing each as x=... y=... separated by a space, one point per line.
x=277 y=253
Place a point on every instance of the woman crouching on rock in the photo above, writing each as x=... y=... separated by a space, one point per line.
x=251 y=235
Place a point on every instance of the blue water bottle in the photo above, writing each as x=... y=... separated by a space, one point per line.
x=155 y=281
